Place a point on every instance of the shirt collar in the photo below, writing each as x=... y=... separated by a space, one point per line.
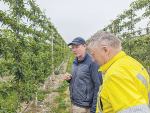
x=83 y=57
x=105 y=67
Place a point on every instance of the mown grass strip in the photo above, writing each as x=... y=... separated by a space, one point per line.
x=63 y=106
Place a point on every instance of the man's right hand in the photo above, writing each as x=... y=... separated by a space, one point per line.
x=67 y=76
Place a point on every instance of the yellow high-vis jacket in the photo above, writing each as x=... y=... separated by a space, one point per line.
x=125 y=86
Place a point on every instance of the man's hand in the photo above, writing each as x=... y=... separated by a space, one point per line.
x=67 y=76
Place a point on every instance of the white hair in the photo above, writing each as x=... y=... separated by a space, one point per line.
x=104 y=38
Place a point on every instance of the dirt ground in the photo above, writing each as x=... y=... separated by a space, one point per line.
x=53 y=83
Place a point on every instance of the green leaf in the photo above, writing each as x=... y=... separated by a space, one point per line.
x=4 y=95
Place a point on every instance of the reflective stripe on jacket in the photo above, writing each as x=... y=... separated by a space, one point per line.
x=125 y=86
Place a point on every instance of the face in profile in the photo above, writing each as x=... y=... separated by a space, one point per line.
x=98 y=55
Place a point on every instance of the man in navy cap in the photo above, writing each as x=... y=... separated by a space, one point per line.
x=84 y=79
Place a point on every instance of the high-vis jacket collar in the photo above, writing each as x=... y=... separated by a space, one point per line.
x=108 y=64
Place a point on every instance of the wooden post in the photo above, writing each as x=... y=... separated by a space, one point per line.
x=131 y=32
x=113 y=28
x=61 y=48
x=36 y=100
x=52 y=56
x=44 y=86
x=43 y=107
x=64 y=50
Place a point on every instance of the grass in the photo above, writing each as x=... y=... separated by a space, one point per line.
x=63 y=106
x=62 y=88
x=56 y=72
x=47 y=103
x=42 y=94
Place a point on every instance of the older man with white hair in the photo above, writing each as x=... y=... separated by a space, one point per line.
x=125 y=82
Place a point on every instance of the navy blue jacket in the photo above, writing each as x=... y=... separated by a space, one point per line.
x=85 y=82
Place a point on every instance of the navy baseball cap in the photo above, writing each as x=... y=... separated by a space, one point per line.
x=77 y=41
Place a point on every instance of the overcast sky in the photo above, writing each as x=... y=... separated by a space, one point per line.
x=81 y=18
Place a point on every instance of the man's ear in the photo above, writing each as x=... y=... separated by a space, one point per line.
x=106 y=49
